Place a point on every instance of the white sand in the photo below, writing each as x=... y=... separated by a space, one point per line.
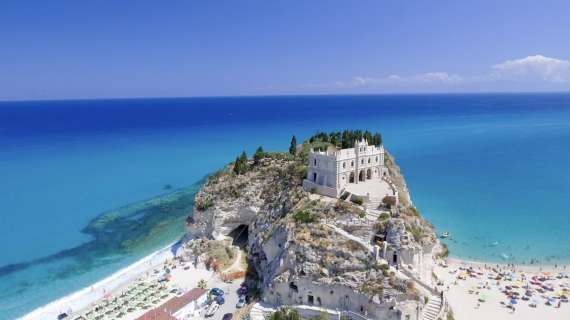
x=85 y=297
x=465 y=305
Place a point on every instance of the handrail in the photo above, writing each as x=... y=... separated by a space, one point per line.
x=419 y=281
x=355 y=314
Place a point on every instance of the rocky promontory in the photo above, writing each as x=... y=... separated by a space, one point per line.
x=306 y=249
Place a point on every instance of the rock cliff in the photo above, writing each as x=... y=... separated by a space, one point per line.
x=302 y=246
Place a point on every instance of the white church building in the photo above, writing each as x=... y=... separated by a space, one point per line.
x=331 y=172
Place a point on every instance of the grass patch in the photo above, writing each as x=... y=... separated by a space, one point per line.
x=304 y=216
x=357 y=200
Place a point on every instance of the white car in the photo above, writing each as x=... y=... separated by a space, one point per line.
x=212 y=309
x=241 y=302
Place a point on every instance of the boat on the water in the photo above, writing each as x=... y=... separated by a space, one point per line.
x=445 y=235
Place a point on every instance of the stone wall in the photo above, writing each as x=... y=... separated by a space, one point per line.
x=337 y=297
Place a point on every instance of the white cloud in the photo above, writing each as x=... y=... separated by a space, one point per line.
x=531 y=73
x=533 y=68
x=394 y=80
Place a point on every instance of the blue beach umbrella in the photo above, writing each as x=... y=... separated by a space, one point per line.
x=514 y=301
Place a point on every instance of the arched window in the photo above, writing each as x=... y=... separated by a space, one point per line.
x=352 y=163
x=368 y=160
x=315 y=162
x=344 y=165
x=362 y=161
x=376 y=158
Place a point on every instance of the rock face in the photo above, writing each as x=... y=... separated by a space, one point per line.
x=301 y=252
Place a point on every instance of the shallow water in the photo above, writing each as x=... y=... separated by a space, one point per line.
x=491 y=169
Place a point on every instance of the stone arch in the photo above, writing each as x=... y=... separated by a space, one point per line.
x=351 y=177
x=369 y=174
x=361 y=175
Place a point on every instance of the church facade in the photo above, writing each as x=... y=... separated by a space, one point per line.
x=332 y=170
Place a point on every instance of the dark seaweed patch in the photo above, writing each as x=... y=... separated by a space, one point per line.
x=120 y=231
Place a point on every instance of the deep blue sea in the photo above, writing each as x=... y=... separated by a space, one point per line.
x=492 y=169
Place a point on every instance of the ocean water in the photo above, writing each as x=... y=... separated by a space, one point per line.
x=88 y=187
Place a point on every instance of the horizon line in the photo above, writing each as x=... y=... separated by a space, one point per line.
x=288 y=95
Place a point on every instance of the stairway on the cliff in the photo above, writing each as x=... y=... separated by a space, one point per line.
x=388 y=292
x=431 y=310
x=260 y=312
x=373 y=203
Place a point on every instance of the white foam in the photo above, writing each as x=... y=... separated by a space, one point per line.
x=83 y=298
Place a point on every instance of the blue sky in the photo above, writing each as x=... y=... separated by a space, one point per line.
x=97 y=49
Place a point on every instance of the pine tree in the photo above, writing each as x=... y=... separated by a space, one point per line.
x=377 y=139
x=293 y=146
x=345 y=141
x=237 y=169
x=259 y=154
x=240 y=165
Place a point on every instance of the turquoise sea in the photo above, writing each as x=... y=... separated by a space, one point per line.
x=492 y=169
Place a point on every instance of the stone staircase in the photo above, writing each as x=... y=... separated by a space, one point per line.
x=389 y=293
x=432 y=310
x=260 y=312
x=373 y=204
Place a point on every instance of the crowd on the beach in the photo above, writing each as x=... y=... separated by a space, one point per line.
x=514 y=288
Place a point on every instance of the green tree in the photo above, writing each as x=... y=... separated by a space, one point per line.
x=334 y=140
x=258 y=155
x=240 y=165
x=377 y=139
x=293 y=315
x=293 y=146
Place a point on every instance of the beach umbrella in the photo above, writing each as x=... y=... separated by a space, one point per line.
x=482 y=297
x=514 y=301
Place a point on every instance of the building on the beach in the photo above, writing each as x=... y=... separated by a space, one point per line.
x=332 y=170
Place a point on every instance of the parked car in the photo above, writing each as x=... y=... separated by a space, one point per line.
x=212 y=309
x=217 y=292
x=241 y=302
x=227 y=316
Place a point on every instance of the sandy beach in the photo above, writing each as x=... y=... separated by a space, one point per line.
x=478 y=290
x=112 y=286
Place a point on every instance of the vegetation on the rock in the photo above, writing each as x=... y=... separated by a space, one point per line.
x=304 y=216
x=358 y=200
x=241 y=165
x=346 y=138
x=444 y=253
x=389 y=201
x=258 y=156
x=285 y=314
x=293 y=146
x=216 y=252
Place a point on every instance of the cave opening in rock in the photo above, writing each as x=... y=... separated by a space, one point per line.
x=240 y=235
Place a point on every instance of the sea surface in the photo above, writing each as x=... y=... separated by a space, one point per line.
x=88 y=187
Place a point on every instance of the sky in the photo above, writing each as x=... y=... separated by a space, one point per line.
x=180 y=48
